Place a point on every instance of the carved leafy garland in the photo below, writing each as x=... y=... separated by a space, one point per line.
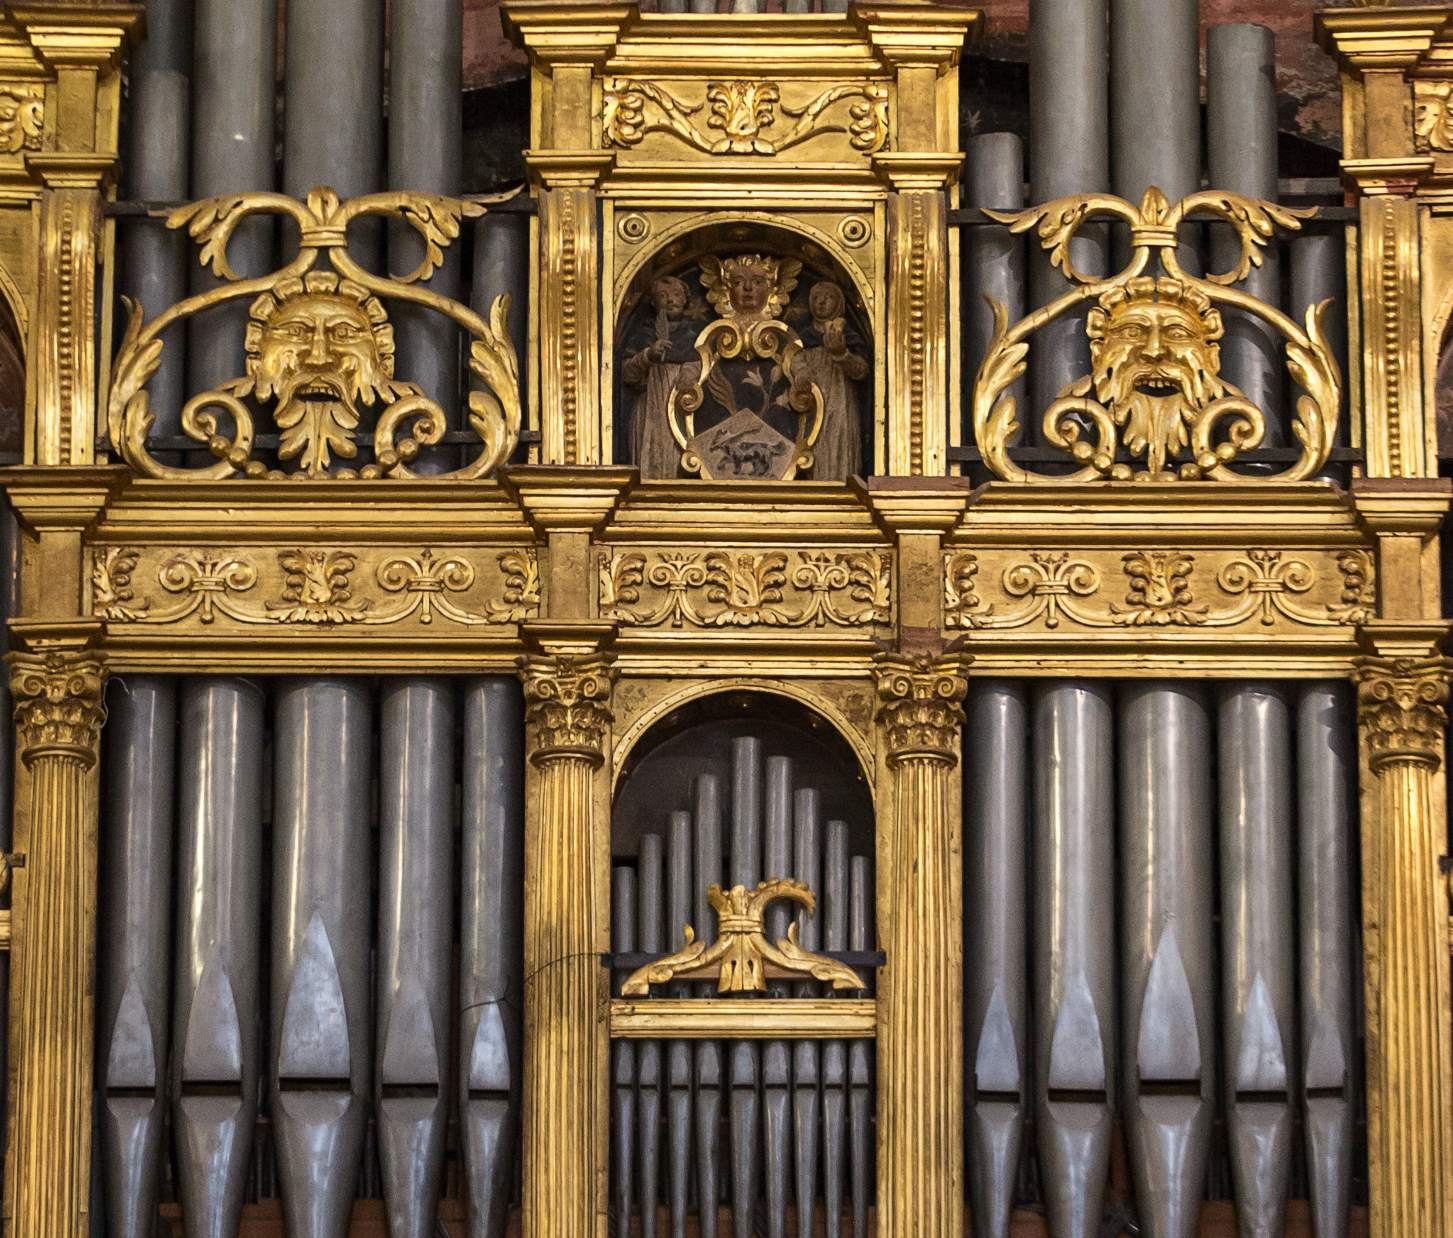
x=1057 y=587
x=317 y=588
x=743 y=589
x=740 y=112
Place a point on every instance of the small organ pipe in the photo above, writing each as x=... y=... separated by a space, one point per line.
x=1241 y=132
x=1073 y=952
x=996 y=1028
x=321 y=1051
x=1069 y=153
x=776 y=1054
x=835 y=1053
x=680 y=843
x=1326 y=773
x=649 y=909
x=745 y=1069
x=491 y=963
x=215 y=1025
x=623 y=1058
x=1258 y=1022
x=860 y=1054
x=415 y=916
x=806 y=1105
x=708 y=1052
x=134 y=940
x=158 y=133
x=1167 y=982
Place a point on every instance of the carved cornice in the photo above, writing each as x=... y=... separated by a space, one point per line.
x=921 y=706
x=58 y=704
x=568 y=703
x=1402 y=709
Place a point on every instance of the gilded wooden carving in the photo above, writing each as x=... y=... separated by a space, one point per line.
x=22 y=116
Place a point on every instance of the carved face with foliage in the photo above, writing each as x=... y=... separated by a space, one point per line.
x=1155 y=361
x=749 y=285
x=322 y=347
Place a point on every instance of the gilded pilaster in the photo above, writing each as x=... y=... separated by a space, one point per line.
x=1402 y=717
x=56 y=687
x=568 y=685
x=920 y=1032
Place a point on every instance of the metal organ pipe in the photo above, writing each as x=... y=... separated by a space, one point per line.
x=134 y=935
x=1258 y=977
x=680 y=844
x=996 y=1018
x=860 y=1052
x=806 y=1054
x=154 y=259
x=491 y=980
x=215 y=1025
x=1069 y=153
x=1241 y=134
x=650 y=879
x=1074 y=982
x=502 y=264
x=416 y=851
x=623 y=1058
x=1326 y=772
x=709 y=1058
x=776 y=1054
x=746 y=1063
x=994 y=257
x=834 y=1052
x=1167 y=982
x=322 y=861
x=1155 y=116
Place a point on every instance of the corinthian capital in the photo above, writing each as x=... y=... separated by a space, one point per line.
x=58 y=707
x=1402 y=708
x=567 y=700
x=920 y=705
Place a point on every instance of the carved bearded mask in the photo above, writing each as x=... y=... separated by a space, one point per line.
x=322 y=347
x=1155 y=362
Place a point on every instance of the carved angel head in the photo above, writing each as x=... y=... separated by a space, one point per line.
x=749 y=285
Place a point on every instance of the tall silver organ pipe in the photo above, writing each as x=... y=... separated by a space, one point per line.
x=680 y=846
x=835 y=1053
x=807 y=840
x=158 y=131
x=1074 y=969
x=709 y=1061
x=234 y=75
x=996 y=1015
x=1258 y=977
x=502 y=264
x=861 y=936
x=745 y=1064
x=322 y=860
x=1155 y=112
x=1167 y=980
x=993 y=256
x=1326 y=771
x=1241 y=152
x=132 y=1018
x=776 y=1054
x=411 y=1015
x=1069 y=153
x=623 y=1061
x=216 y=1056
x=650 y=878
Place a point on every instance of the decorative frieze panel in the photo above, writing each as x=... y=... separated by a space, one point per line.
x=1255 y=589
x=315 y=586
x=745 y=588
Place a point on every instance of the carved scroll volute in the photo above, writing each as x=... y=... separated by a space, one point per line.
x=920 y=712
x=567 y=821
x=1402 y=716
x=58 y=715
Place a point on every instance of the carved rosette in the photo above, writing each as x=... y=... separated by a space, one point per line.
x=921 y=706
x=567 y=702
x=1403 y=704
x=58 y=705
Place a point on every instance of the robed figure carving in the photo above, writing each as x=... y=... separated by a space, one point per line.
x=663 y=358
x=749 y=413
x=834 y=359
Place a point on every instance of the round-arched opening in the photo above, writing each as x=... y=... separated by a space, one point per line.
x=676 y=302
x=12 y=387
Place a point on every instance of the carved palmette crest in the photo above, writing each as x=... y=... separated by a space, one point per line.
x=741 y=959
x=319 y=350
x=1154 y=405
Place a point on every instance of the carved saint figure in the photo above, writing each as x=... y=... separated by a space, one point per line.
x=833 y=358
x=1155 y=363
x=664 y=359
x=323 y=348
x=749 y=413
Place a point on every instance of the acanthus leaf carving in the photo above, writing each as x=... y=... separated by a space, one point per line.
x=921 y=706
x=22 y=116
x=1432 y=115
x=1402 y=708
x=112 y=595
x=58 y=704
x=568 y=703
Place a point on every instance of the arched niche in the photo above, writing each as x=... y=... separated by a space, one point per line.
x=12 y=384
x=669 y=302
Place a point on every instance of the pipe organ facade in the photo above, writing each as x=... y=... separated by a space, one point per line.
x=808 y=669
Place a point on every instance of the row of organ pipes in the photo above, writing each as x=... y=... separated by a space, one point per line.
x=763 y=1128
x=1159 y=909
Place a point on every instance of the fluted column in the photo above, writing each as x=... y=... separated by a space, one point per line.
x=568 y=716
x=920 y=1033
x=58 y=713
x=1402 y=717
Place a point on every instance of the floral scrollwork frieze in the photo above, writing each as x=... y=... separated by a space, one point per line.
x=743 y=589
x=22 y=116
x=313 y=586
x=1162 y=589
x=741 y=116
